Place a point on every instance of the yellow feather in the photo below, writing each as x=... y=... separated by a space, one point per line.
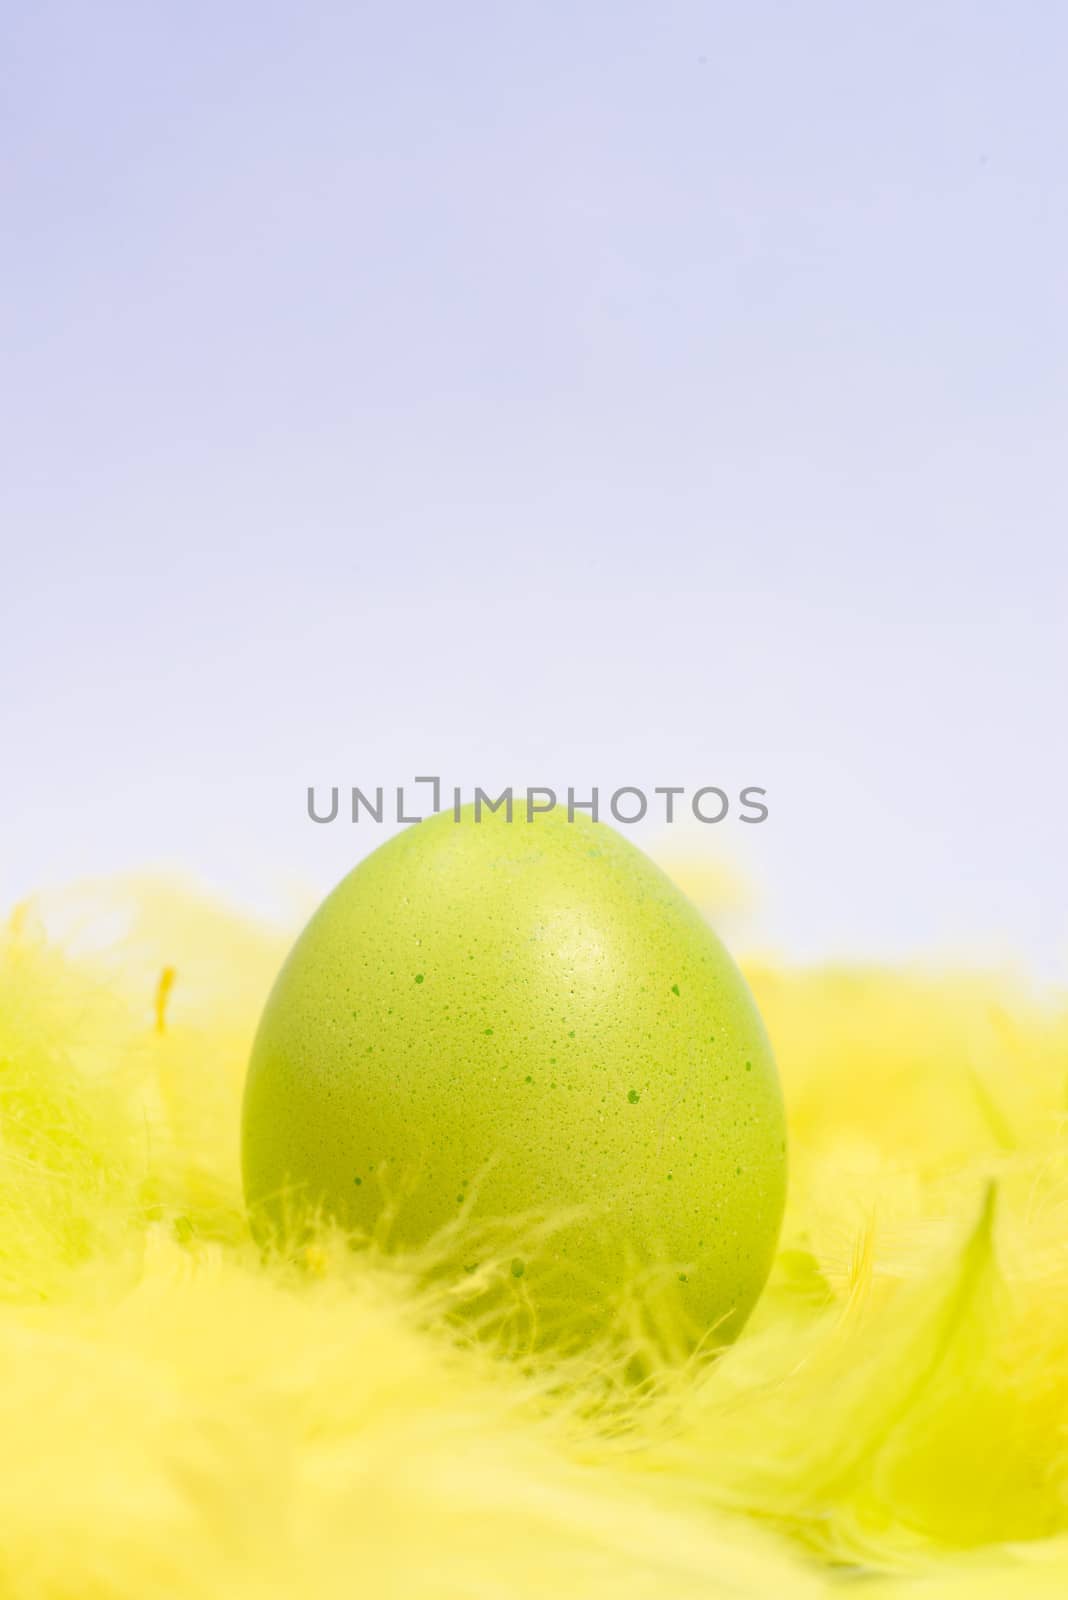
x=181 y=1416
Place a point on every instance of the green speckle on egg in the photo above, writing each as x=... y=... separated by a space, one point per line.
x=358 y=1056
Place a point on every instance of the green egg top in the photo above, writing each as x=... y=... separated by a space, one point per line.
x=527 y=1023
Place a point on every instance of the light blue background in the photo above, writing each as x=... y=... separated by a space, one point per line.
x=548 y=393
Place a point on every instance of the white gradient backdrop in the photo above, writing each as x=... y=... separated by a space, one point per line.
x=605 y=392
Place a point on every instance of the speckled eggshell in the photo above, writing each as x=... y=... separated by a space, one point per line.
x=527 y=1019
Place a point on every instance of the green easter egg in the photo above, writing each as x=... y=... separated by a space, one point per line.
x=523 y=1031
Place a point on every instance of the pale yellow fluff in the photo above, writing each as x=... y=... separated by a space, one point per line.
x=180 y=1417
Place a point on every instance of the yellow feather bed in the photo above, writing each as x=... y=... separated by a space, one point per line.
x=180 y=1416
